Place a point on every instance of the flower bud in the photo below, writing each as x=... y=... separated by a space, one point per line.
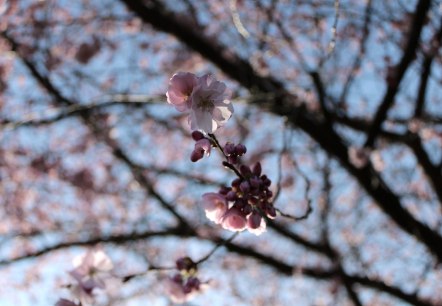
x=270 y=211
x=196 y=155
x=185 y=263
x=197 y=135
x=231 y=196
x=244 y=187
x=247 y=210
x=255 y=182
x=224 y=190
x=257 y=169
x=229 y=148
x=254 y=220
x=245 y=170
x=240 y=149
x=236 y=182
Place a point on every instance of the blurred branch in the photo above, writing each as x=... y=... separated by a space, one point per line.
x=100 y=133
x=426 y=71
x=78 y=109
x=362 y=49
x=399 y=71
x=114 y=239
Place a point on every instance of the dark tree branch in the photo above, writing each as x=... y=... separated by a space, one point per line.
x=278 y=265
x=426 y=71
x=114 y=239
x=399 y=71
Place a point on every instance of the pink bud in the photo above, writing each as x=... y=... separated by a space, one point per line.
x=254 y=220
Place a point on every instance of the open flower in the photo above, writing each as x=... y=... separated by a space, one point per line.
x=91 y=271
x=215 y=206
x=210 y=108
x=181 y=86
x=234 y=220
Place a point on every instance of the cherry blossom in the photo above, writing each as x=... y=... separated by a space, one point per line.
x=215 y=206
x=234 y=220
x=210 y=108
x=183 y=286
x=91 y=271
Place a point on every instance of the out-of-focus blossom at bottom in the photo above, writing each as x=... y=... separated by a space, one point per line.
x=91 y=271
x=184 y=285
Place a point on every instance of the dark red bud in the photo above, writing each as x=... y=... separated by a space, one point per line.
x=245 y=170
x=240 y=149
x=196 y=155
x=229 y=148
x=224 y=190
x=236 y=182
x=244 y=187
x=257 y=169
x=197 y=135
x=231 y=196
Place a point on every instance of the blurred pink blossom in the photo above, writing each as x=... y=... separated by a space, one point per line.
x=91 y=271
x=215 y=206
x=181 y=289
x=210 y=108
x=181 y=86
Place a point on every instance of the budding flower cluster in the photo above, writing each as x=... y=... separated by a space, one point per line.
x=244 y=204
x=182 y=286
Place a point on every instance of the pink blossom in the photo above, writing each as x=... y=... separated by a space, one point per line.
x=256 y=223
x=91 y=270
x=181 y=290
x=234 y=220
x=215 y=206
x=210 y=108
x=181 y=86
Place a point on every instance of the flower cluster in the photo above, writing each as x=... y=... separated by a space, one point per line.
x=91 y=271
x=244 y=204
x=183 y=286
x=204 y=98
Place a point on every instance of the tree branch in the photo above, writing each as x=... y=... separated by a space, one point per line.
x=399 y=71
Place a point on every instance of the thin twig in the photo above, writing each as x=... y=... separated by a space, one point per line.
x=223 y=242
